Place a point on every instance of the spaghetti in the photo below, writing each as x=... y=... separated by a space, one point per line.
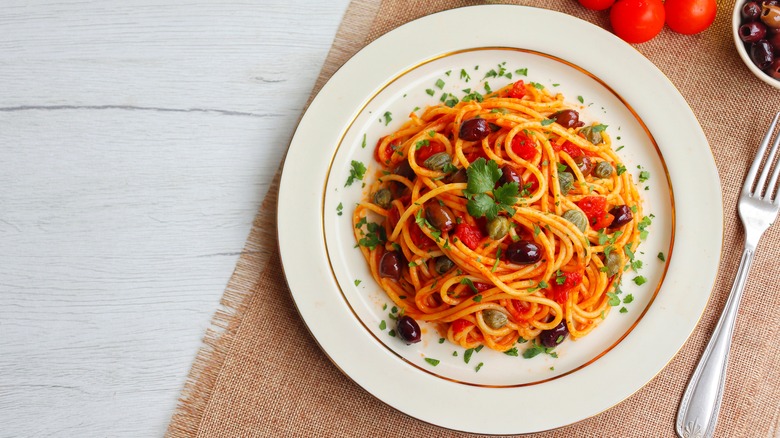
x=500 y=218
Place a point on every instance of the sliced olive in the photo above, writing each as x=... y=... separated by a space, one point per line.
x=438 y=161
x=623 y=215
x=498 y=227
x=443 y=264
x=440 y=216
x=592 y=135
x=578 y=218
x=603 y=170
x=566 y=181
x=494 y=319
x=383 y=198
x=390 y=265
x=613 y=263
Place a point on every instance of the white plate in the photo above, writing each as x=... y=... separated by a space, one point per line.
x=620 y=88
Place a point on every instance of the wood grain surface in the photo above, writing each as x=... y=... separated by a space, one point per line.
x=137 y=140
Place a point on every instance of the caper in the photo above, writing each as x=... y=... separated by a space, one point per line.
x=603 y=170
x=577 y=218
x=494 y=319
x=438 y=161
x=592 y=135
x=383 y=198
x=498 y=227
x=613 y=263
x=443 y=264
x=566 y=181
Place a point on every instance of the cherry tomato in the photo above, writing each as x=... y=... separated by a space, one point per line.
x=569 y=280
x=459 y=325
x=690 y=16
x=637 y=21
x=523 y=146
x=597 y=5
x=383 y=155
x=570 y=148
x=426 y=151
x=531 y=184
x=468 y=234
x=419 y=238
x=518 y=90
x=595 y=208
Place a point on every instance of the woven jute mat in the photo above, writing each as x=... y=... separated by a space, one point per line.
x=260 y=373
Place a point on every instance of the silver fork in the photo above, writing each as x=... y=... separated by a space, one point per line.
x=758 y=209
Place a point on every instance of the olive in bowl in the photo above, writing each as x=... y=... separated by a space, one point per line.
x=756 y=31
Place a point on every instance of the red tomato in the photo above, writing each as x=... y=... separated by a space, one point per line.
x=383 y=156
x=419 y=238
x=532 y=184
x=482 y=287
x=468 y=234
x=637 y=21
x=426 y=151
x=595 y=208
x=597 y=5
x=570 y=281
x=518 y=90
x=570 y=148
x=690 y=16
x=459 y=325
x=523 y=146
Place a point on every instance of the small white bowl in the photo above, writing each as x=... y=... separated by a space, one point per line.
x=736 y=21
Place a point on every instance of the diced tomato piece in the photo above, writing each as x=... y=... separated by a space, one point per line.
x=474 y=155
x=570 y=281
x=426 y=151
x=384 y=155
x=570 y=148
x=518 y=90
x=532 y=183
x=459 y=325
x=419 y=238
x=523 y=146
x=468 y=234
x=517 y=309
x=595 y=208
x=482 y=287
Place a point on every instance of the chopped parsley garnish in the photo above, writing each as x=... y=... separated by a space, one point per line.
x=432 y=361
x=619 y=148
x=482 y=177
x=479 y=348
x=512 y=352
x=439 y=84
x=391 y=333
x=640 y=280
x=476 y=370
x=613 y=299
x=467 y=355
x=356 y=173
x=542 y=285
x=477 y=298
x=644 y=176
x=537 y=230
x=340 y=209
x=357 y=283
x=581 y=99
x=620 y=169
x=382 y=325
x=537 y=85
x=636 y=265
x=623 y=310
x=487 y=88
x=546 y=122
x=430 y=92
x=468 y=282
x=388 y=117
x=629 y=298
x=465 y=76
x=661 y=257
x=535 y=349
x=376 y=235
x=455 y=353
x=560 y=278
x=522 y=71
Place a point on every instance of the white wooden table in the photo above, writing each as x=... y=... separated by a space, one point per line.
x=137 y=139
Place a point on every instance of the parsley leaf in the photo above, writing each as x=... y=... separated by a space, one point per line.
x=439 y=84
x=629 y=298
x=356 y=173
x=613 y=299
x=339 y=209
x=382 y=325
x=467 y=355
x=640 y=280
x=482 y=176
x=476 y=370
x=388 y=117
x=468 y=282
x=661 y=257
x=581 y=99
x=512 y=352
x=546 y=122
x=432 y=361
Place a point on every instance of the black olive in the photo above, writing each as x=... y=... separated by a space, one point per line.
x=408 y=330
x=554 y=336
x=405 y=170
x=622 y=215
x=390 y=265
x=509 y=174
x=474 y=129
x=585 y=164
x=762 y=54
x=567 y=118
x=752 y=32
x=458 y=177
x=774 y=69
x=440 y=216
x=523 y=252
x=751 y=11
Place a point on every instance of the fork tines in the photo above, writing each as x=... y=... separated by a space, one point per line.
x=760 y=188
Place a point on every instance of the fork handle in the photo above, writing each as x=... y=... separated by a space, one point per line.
x=699 y=408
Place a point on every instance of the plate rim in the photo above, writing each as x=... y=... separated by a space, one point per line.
x=454 y=14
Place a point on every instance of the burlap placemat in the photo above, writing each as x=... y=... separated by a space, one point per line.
x=261 y=374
